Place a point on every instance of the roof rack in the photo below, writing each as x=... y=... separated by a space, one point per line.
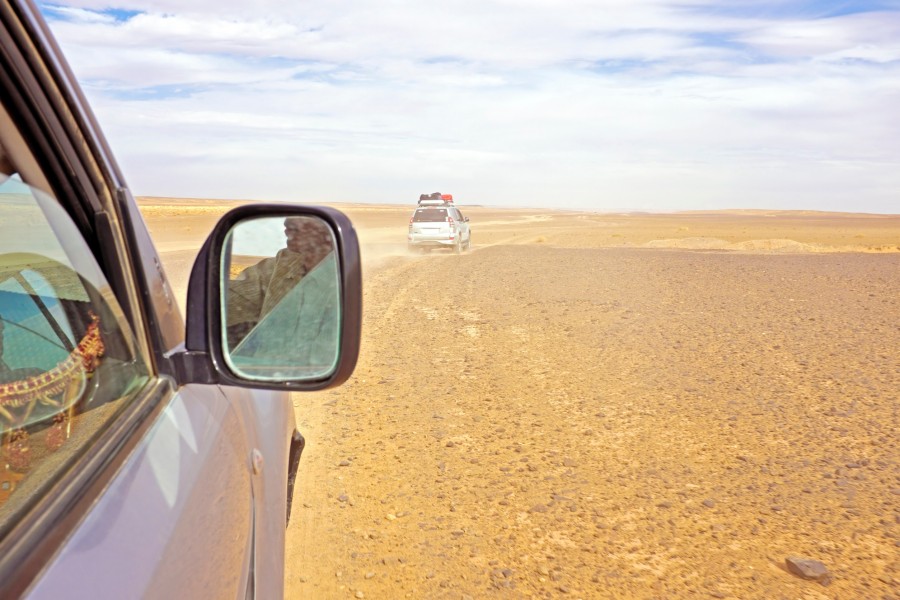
x=435 y=199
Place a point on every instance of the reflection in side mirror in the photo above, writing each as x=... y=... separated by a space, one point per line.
x=281 y=299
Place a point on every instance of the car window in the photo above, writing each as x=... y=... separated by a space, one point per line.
x=430 y=215
x=68 y=360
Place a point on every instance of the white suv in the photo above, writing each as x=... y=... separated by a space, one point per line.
x=437 y=223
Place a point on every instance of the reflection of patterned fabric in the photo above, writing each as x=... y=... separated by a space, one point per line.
x=83 y=359
x=256 y=291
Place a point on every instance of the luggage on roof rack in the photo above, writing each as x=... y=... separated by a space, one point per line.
x=436 y=198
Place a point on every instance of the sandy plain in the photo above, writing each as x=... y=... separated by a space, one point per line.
x=603 y=406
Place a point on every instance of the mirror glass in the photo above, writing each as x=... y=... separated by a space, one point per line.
x=281 y=299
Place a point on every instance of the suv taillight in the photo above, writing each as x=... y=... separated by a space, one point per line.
x=452 y=223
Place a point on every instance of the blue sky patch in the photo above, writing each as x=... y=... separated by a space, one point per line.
x=120 y=15
x=717 y=40
x=616 y=66
x=58 y=12
x=156 y=92
x=803 y=9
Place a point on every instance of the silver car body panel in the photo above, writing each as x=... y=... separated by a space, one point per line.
x=178 y=520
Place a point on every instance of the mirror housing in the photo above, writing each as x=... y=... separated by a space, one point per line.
x=208 y=357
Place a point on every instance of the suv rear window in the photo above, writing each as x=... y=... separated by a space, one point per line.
x=430 y=215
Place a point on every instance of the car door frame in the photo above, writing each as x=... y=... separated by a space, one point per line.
x=59 y=129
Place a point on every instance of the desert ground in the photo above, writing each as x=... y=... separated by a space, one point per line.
x=604 y=406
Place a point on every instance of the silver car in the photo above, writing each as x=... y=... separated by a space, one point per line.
x=143 y=455
x=438 y=224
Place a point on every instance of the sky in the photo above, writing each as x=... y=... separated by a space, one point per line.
x=601 y=105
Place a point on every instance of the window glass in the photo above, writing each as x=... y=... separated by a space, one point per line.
x=68 y=360
x=430 y=215
x=282 y=311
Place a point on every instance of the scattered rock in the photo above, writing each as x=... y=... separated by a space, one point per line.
x=344 y=463
x=808 y=568
x=538 y=508
x=709 y=503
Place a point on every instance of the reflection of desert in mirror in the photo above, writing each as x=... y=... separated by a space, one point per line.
x=596 y=405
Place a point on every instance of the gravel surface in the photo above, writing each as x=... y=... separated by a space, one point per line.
x=533 y=421
x=605 y=406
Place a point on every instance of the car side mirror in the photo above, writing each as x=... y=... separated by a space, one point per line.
x=274 y=300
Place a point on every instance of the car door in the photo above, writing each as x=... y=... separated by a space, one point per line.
x=463 y=226
x=115 y=482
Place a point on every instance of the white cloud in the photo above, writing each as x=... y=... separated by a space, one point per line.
x=593 y=104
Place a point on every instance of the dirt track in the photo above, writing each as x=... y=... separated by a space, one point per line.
x=567 y=413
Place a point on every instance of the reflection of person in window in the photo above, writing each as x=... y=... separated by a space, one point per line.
x=301 y=334
x=260 y=287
